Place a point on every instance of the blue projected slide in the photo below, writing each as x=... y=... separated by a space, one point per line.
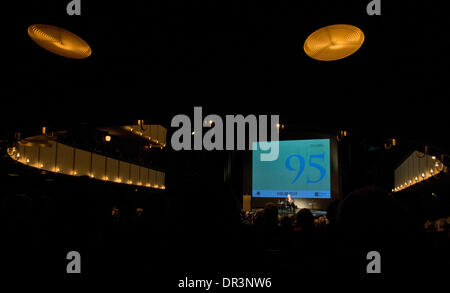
x=302 y=170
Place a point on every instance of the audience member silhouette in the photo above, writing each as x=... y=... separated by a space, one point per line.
x=368 y=220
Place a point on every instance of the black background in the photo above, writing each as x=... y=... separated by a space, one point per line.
x=154 y=59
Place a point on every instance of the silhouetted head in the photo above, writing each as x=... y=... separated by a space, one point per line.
x=367 y=217
x=304 y=219
x=270 y=214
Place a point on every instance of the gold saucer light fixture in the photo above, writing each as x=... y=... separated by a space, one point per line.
x=59 y=41
x=334 y=42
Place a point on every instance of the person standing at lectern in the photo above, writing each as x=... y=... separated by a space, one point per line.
x=291 y=204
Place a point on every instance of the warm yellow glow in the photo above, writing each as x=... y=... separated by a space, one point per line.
x=423 y=175
x=108 y=138
x=431 y=171
x=59 y=41
x=16 y=156
x=334 y=42
x=433 y=157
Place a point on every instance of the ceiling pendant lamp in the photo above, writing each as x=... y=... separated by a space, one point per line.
x=334 y=42
x=59 y=41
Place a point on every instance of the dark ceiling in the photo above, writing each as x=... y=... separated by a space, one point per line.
x=154 y=60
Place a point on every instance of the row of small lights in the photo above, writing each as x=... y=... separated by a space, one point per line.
x=417 y=178
x=118 y=180
x=210 y=122
x=149 y=138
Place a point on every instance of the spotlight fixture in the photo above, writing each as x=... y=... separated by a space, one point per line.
x=390 y=143
x=333 y=42
x=341 y=134
x=59 y=41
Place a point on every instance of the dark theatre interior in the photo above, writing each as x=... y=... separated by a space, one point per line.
x=192 y=212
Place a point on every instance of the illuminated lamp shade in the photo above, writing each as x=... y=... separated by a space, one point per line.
x=334 y=42
x=59 y=41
